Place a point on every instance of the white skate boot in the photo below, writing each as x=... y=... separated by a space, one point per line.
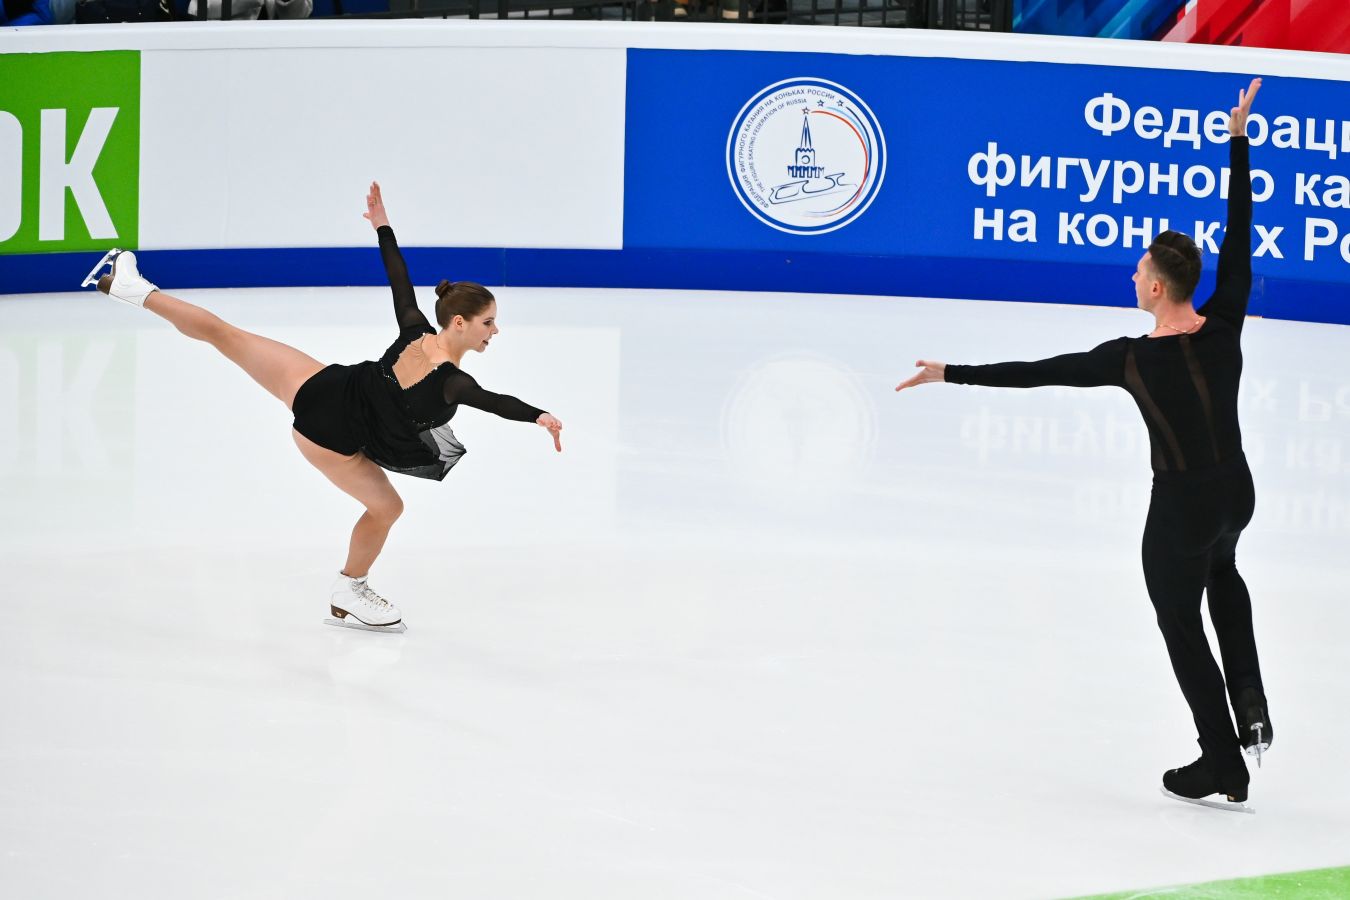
x=355 y=605
x=124 y=283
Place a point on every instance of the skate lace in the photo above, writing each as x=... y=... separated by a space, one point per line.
x=1198 y=766
x=368 y=594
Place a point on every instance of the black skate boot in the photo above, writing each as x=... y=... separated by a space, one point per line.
x=1199 y=780
x=1254 y=728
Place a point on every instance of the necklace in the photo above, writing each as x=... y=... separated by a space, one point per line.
x=1186 y=330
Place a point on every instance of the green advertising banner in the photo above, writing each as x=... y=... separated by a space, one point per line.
x=70 y=148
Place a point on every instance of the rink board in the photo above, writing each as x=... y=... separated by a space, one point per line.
x=1001 y=167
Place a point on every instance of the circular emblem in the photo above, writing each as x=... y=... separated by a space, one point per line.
x=806 y=156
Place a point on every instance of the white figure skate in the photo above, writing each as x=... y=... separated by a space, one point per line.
x=123 y=282
x=355 y=605
x=92 y=278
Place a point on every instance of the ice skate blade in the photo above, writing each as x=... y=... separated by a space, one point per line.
x=1260 y=745
x=396 y=628
x=1224 y=805
x=92 y=278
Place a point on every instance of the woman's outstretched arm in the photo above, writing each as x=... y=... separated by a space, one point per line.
x=405 y=301
x=463 y=389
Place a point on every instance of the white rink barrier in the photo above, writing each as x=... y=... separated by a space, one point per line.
x=849 y=160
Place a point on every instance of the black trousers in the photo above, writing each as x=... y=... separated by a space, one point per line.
x=1190 y=542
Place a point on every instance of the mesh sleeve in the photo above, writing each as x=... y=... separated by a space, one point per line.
x=405 y=301
x=462 y=389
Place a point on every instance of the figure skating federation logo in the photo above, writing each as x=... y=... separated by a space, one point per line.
x=806 y=156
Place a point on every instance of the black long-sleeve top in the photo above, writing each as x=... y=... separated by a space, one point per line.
x=1185 y=385
x=435 y=398
x=407 y=429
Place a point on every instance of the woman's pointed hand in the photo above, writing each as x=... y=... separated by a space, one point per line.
x=375 y=207
x=554 y=428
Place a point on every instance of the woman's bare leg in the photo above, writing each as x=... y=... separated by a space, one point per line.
x=358 y=477
x=279 y=368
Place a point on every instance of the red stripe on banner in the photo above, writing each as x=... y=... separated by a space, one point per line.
x=1319 y=25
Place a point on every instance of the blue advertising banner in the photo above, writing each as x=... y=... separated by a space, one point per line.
x=975 y=178
x=932 y=174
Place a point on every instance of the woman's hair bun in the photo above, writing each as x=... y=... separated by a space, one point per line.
x=460 y=298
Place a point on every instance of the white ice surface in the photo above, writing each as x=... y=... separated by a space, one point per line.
x=765 y=629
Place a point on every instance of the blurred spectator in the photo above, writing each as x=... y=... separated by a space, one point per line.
x=36 y=12
x=257 y=9
x=96 y=11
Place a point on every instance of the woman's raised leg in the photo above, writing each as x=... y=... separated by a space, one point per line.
x=279 y=368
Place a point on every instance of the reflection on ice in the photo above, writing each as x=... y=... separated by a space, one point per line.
x=766 y=628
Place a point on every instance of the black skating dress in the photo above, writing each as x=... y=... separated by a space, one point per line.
x=363 y=409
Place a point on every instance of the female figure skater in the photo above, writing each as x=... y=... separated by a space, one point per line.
x=1184 y=378
x=353 y=422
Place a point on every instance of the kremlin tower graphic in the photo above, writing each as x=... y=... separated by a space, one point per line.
x=805 y=166
x=807 y=179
